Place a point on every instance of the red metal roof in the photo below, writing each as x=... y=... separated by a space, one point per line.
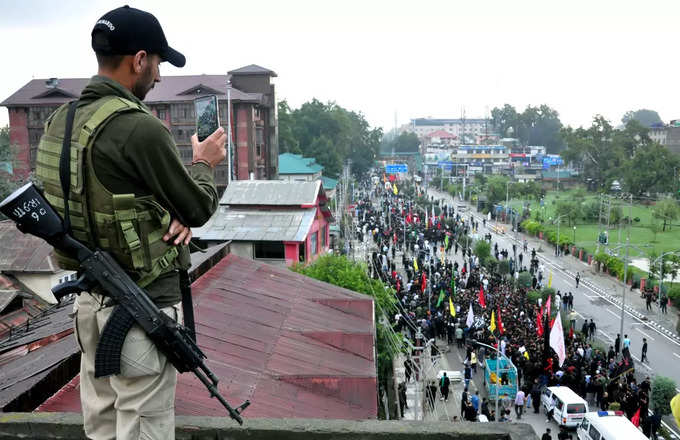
x=441 y=134
x=294 y=346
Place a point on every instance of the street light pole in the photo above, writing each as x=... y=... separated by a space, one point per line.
x=557 y=242
x=625 y=266
x=497 y=348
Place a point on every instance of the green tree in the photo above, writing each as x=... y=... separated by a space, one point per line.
x=330 y=134
x=8 y=182
x=651 y=169
x=406 y=142
x=570 y=209
x=482 y=250
x=644 y=116
x=663 y=390
x=288 y=143
x=666 y=210
x=534 y=126
x=496 y=190
x=594 y=152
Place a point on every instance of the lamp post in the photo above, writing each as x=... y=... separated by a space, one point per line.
x=557 y=239
x=507 y=199
x=574 y=235
x=228 y=132
x=497 y=348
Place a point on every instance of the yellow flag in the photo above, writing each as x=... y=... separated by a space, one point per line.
x=492 y=327
x=675 y=408
x=394 y=189
x=415 y=264
x=550 y=280
x=452 y=309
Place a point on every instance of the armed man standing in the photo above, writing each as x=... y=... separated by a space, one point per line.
x=128 y=194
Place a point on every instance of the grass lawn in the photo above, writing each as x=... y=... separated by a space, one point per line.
x=586 y=233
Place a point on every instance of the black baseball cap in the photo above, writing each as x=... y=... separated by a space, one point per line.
x=126 y=30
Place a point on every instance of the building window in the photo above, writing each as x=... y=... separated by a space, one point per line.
x=323 y=237
x=313 y=243
x=269 y=250
x=161 y=114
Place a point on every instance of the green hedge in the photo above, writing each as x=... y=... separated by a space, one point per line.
x=531 y=226
x=613 y=265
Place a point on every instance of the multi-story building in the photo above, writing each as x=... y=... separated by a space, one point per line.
x=253 y=114
x=466 y=130
x=488 y=159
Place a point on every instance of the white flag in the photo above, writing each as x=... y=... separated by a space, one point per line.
x=470 y=317
x=557 y=339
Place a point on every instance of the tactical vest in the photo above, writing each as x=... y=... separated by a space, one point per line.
x=129 y=227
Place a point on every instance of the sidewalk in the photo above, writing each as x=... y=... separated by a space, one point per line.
x=609 y=287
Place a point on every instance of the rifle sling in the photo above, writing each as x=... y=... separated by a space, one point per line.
x=187 y=303
x=65 y=163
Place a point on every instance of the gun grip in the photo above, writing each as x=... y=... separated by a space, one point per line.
x=82 y=284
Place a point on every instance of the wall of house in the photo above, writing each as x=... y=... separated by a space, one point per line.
x=18 y=136
x=319 y=223
x=243 y=249
x=292 y=252
x=41 y=283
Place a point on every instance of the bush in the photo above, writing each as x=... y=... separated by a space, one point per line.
x=663 y=390
x=674 y=294
x=534 y=295
x=524 y=280
x=531 y=226
x=504 y=267
x=491 y=264
x=483 y=251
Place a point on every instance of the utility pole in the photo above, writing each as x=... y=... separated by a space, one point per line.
x=229 y=164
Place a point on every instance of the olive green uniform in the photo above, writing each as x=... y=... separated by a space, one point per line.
x=132 y=154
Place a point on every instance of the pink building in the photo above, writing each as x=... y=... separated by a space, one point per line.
x=278 y=222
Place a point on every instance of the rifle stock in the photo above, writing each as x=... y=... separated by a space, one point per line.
x=34 y=215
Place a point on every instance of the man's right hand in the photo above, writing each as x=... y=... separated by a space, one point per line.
x=211 y=150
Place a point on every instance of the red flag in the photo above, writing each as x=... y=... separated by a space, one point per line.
x=500 y=323
x=539 y=323
x=482 y=301
x=423 y=283
x=571 y=332
x=636 y=418
x=547 y=306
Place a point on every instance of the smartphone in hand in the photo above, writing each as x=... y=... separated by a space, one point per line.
x=207 y=116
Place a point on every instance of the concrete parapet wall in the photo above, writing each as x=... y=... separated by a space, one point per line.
x=38 y=426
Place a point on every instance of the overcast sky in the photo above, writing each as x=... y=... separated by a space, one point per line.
x=414 y=58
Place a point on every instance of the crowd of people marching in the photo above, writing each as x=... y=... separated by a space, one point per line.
x=424 y=249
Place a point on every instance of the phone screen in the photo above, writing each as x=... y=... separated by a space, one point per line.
x=207 y=116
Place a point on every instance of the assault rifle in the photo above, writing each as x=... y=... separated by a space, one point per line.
x=33 y=214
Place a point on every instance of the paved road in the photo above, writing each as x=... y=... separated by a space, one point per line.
x=591 y=300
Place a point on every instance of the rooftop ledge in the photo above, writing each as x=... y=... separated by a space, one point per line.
x=70 y=426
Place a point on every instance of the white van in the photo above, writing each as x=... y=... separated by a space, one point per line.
x=570 y=408
x=608 y=425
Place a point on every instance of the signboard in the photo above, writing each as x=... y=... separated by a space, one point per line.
x=552 y=160
x=446 y=165
x=396 y=168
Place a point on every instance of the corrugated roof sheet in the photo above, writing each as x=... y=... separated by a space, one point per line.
x=271 y=193
x=296 y=164
x=256 y=225
x=21 y=252
x=328 y=183
x=171 y=88
x=294 y=346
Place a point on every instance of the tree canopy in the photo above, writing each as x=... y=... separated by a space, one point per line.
x=535 y=126
x=604 y=154
x=406 y=142
x=330 y=134
x=643 y=116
